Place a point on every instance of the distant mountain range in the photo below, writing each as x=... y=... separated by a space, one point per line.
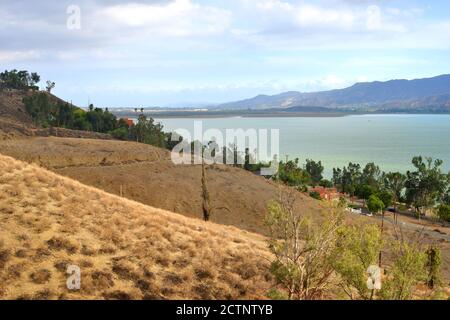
x=420 y=95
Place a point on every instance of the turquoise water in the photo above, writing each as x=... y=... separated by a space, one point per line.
x=388 y=140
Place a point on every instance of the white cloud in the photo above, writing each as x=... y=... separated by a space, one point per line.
x=333 y=81
x=311 y=16
x=375 y=21
x=373 y=18
x=15 y=56
x=177 y=18
x=270 y=5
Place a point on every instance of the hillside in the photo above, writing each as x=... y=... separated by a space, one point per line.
x=15 y=122
x=419 y=94
x=125 y=250
x=146 y=174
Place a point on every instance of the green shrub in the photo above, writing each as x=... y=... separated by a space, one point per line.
x=315 y=195
x=326 y=183
x=443 y=212
x=120 y=133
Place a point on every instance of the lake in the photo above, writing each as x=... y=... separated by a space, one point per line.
x=388 y=140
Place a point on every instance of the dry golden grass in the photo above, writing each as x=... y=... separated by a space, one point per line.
x=147 y=175
x=53 y=152
x=125 y=250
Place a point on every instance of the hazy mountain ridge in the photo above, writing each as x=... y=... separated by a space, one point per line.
x=419 y=94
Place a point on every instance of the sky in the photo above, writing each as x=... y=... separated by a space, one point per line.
x=195 y=52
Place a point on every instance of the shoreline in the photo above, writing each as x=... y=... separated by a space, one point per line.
x=255 y=114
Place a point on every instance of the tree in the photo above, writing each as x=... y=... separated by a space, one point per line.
x=18 y=79
x=247 y=160
x=347 y=178
x=407 y=270
x=426 y=184
x=385 y=197
x=149 y=132
x=302 y=249
x=50 y=85
x=35 y=78
x=41 y=109
x=358 y=249
x=394 y=182
x=374 y=204
x=371 y=176
x=315 y=170
x=291 y=174
x=172 y=139
x=364 y=191
x=326 y=183
x=337 y=178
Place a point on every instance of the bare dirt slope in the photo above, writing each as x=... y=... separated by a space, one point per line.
x=146 y=174
x=125 y=250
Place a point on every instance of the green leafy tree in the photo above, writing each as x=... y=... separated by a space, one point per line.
x=426 y=185
x=291 y=174
x=326 y=183
x=50 y=85
x=385 y=197
x=406 y=272
x=394 y=182
x=149 y=132
x=39 y=108
x=374 y=204
x=18 y=79
x=358 y=249
x=365 y=191
x=371 y=176
x=347 y=178
x=315 y=171
x=35 y=78
x=337 y=178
